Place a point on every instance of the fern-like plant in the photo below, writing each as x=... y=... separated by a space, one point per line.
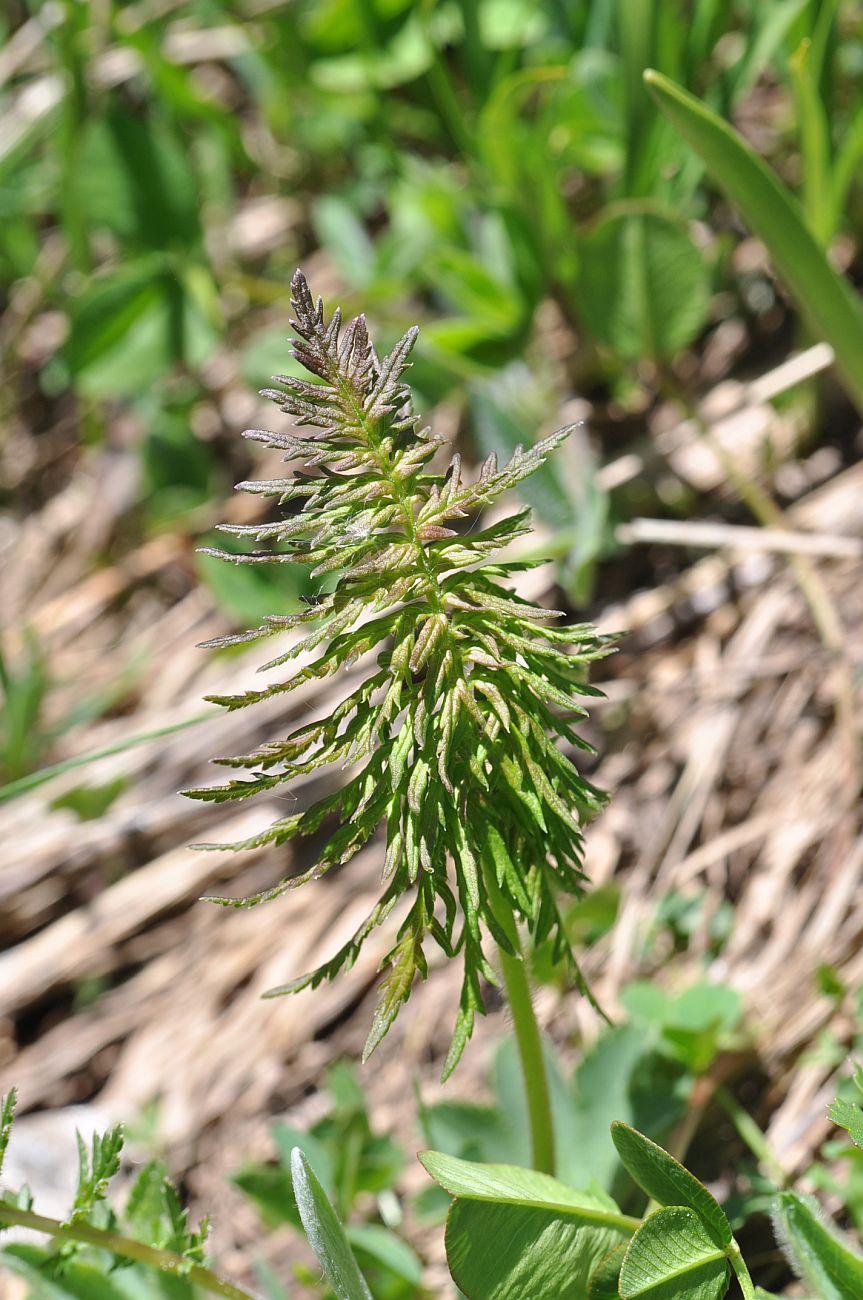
x=452 y=736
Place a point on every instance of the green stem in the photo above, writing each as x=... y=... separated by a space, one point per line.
x=164 y=1260
x=747 y=1286
x=527 y=1037
x=751 y=1135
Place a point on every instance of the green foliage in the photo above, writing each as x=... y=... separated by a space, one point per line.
x=690 y=1027
x=644 y=288
x=825 y=300
x=7 y=1115
x=352 y=1164
x=515 y=1232
x=97 y=1253
x=95 y=1170
x=640 y=1071
x=665 y=1180
x=90 y=802
x=479 y=159
x=325 y=1233
x=470 y=156
x=452 y=736
x=848 y=1115
x=671 y=1257
x=24 y=687
x=500 y=1239
x=503 y=1221
x=823 y=1260
x=510 y=1231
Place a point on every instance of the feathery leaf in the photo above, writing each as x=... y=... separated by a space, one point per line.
x=454 y=734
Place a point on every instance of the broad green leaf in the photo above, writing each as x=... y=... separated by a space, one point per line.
x=138 y=181
x=665 y=1180
x=90 y=802
x=131 y=326
x=643 y=287
x=672 y=1257
x=848 y=1116
x=605 y=1278
x=505 y=413
x=827 y=303
x=340 y=231
x=696 y=1023
x=823 y=1259
x=603 y=1092
x=495 y=1182
x=326 y=1235
x=476 y=291
x=271 y=1190
x=267 y=353
x=249 y=591
x=515 y=1232
x=176 y=467
x=473 y=1132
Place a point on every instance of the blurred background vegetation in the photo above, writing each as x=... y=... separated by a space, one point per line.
x=493 y=168
x=490 y=167
x=496 y=171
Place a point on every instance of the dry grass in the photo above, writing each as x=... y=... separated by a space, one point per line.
x=719 y=744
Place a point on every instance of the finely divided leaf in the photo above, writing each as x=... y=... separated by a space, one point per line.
x=7 y=1115
x=95 y=1169
x=453 y=725
x=849 y=1116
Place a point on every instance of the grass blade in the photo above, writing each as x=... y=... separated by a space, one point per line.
x=14 y=789
x=829 y=306
x=326 y=1235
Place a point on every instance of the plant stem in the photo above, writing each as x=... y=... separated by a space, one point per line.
x=85 y=1234
x=527 y=1036
x=751 y=1135
x=738 y=1263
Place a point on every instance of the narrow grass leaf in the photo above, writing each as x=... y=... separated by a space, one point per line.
x=326 y=1235
x=827 y=303
x=7 y=1115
